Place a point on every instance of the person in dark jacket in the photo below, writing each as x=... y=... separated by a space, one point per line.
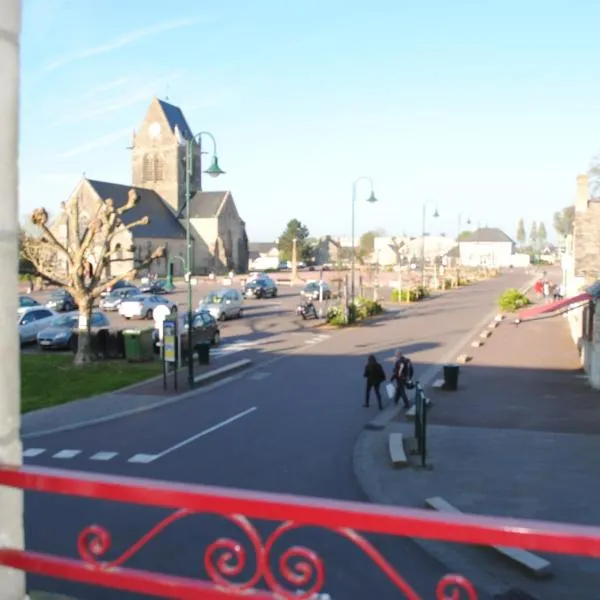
x=375 y=376
x=400 y=376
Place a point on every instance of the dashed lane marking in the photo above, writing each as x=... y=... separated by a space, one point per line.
x=31 y=452
x=67 y=454
x=104 y=456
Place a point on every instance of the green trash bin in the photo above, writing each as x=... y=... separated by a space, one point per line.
x=203 y=351
x=138 y=345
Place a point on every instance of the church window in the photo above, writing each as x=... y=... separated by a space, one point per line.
x=118 y=252
x=153 y=168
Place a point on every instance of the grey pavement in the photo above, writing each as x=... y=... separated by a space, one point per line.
x=289 y=425
x=519 y=439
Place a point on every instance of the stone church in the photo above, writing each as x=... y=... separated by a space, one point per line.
x=158 y=152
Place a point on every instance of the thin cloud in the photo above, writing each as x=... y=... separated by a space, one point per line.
x=100 y=142
x=143 y=94
x=109 y=85
x=120 y=42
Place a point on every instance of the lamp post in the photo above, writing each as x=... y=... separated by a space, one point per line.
x=294 y=259
x=436 y=214
x=459 y=231
x=370 y=199
x=214 y=171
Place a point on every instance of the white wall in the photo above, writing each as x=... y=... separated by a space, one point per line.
x=490 y=254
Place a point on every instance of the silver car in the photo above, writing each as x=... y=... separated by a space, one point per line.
x=32 y=320
x=142 y=306
x=113 y=300
x=223 y=304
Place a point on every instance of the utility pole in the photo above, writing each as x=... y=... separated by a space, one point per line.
x=12 y=582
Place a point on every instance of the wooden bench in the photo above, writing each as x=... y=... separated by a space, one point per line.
x=537 y=566
x=396 y=448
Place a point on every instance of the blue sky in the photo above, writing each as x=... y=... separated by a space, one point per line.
x=489 y=108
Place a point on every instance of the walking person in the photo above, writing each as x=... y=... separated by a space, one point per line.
x=375 y=376
x=402 y=374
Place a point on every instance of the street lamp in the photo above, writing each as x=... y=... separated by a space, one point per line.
x=214 y=170
x=370 y=199
x=435 y=215
x=460 y=216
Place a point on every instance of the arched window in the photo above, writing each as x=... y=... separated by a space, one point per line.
x=118 y=252
x=153 y=168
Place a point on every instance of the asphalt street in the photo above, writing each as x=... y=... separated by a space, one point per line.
x=288 y=425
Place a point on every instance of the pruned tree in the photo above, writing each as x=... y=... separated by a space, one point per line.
x=67 y=263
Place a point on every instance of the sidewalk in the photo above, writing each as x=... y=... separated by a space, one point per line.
x=520 y=438
x=126 y=401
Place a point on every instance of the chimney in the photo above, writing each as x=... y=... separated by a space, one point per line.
x=582 y=194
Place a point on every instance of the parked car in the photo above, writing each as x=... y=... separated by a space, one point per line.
x=114 y=299
x=32 y=321
x=264 y=287
x=61 y=332
x=160 y=286
x=61 y=301
x=205 y=330
x=119 y=285
x=26 y=302
x=142 y=306
x=223 y=304
x=312 y=290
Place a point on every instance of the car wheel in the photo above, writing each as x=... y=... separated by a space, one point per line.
x=222 y=316
x=275 y=293
x=216 y=340
x=73 y=344
x=149 y=314
x=240 y=314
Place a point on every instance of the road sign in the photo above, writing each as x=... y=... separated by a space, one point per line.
x=169 y=341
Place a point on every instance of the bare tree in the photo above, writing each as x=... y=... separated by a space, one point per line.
x=68 y=265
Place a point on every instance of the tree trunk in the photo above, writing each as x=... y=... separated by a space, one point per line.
x=85 y=352
x=12 y=582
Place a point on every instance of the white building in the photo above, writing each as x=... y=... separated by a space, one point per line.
x=490 y=247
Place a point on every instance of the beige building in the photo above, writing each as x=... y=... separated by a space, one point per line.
x=158 y=153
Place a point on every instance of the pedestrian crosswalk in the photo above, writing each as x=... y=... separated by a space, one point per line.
x=234 y=347
x=317 y=339
x=70 y=454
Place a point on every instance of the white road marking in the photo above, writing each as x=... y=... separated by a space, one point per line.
x=148 y=458
x=143 y=458
x=104 y=455
x=259 y=375
x=66 y=454
x=31 y=452
x=238 y=346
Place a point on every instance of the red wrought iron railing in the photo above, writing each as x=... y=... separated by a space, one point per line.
x=297 y=568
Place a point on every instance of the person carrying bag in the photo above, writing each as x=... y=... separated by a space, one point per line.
x=375 y=376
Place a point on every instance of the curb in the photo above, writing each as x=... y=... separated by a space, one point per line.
x=211 y=381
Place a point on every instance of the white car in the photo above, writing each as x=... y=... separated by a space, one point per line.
x=26 y=302
x=142 y=306
x=32 y=321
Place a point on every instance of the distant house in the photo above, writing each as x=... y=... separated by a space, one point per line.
x=263 y=256
x=326 y=251
x=489 y=247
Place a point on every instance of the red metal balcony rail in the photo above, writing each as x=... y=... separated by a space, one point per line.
x=299 y=567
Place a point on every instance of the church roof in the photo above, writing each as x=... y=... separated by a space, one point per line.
x=488 y=234
x=163 y=223
x=175 y=118
x=206 y=205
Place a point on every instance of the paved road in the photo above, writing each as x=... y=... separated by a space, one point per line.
x=287 y=426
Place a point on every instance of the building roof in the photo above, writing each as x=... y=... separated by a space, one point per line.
x=488 y=234
x=206 y=205
x=163 y=223
x=261 y=247
x=175 y=118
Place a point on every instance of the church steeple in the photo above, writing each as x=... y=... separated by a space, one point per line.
x=158 y=152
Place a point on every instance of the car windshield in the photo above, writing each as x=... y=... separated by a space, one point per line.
x=66 y=321
x=213 y=298
x=58 y=294
x=140 y=299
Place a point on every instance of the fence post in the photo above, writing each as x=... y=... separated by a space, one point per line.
x=12 y=581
